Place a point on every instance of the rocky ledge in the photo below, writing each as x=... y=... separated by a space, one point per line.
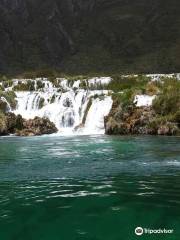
x=15 y=124
x=138 y=120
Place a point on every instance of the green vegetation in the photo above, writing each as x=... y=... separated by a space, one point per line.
x=25 y=86
x=168 y=101
x=40 y=84
x=3 y=123
x=6 y=82
x=125 y=99
x=10 y=96
x=120 y=83
x=167 y=106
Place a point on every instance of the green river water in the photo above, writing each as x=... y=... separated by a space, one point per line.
x=89 y=187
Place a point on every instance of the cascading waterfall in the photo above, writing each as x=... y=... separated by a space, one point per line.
x=73 y=109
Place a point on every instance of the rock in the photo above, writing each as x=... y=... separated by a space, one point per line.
x=14 y=122
x=37 y=126
x=80 y=126
x=138 y=120
x=168 y=129
x=132 y=120
x=3 y=125
x=9 y=123
x=3 y=106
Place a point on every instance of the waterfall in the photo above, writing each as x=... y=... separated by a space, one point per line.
x=74 y=109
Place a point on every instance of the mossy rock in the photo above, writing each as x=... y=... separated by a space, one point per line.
x=10 y=96
x=3 y=124
x=40 y=84
x=53 y=99
x=86 y=111
x=3 y=106
x=41 y=103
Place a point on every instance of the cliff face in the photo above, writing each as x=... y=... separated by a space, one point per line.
x=90 y=35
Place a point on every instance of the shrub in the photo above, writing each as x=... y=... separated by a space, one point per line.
x=40 y=84
x=10 y=96
x=151 y=89
x=125 y=98
x=28 y=86
x=31 y=85
x=168 y=101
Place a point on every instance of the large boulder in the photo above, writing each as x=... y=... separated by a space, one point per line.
x=132 y=120
x=37 y=126
x=14 y=122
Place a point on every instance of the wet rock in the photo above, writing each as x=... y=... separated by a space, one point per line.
x=14 y=122
x=132 y=120
x=168 y=129
x=67 y=103
x=37 y=126
x=10 y=123
x=79 y=127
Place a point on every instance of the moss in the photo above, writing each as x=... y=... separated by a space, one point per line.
x=21 y=87
x=53 y=99
x=27 y=86
x=41 y=103
x=40 y=84
x=10 y=96
x=83 y=84
x=86 y=111
x=31 y=85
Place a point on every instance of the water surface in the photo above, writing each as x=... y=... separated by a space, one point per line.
x=88 y=187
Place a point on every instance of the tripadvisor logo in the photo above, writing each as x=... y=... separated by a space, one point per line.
x=139 y=231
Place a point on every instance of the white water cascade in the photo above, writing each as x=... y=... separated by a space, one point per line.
x=73 y=109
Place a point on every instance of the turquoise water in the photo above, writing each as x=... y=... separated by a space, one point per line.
x=89 y=187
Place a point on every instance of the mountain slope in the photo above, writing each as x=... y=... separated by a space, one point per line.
x=83 y=36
